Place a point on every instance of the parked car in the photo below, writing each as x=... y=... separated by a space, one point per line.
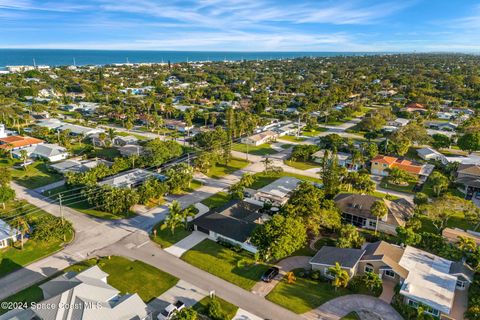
x=170 y=310
x=270 y=274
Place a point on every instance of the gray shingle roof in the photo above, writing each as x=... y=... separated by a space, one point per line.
x=346 y=257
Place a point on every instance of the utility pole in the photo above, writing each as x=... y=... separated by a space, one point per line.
x=247 y=150
x=61 y=214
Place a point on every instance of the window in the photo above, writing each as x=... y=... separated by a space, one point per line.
x=389 y=273
x=413 y=303
x=372 y=224
x=460 y=284
x=385 y=165
x=369 y=268
x=376 y=163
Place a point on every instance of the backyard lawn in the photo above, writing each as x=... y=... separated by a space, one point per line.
x=303 y=295
x=292 y=138
x=165 y=238
x=217 y=200
x=107 y=153
x=315 y=132
x=302 y=165
x=35 y=176
x=229 y=309
x=263 y=179
x=13 y=258
x=219 y=170
x=261 y=150
x=224 y=263
x=73 y=198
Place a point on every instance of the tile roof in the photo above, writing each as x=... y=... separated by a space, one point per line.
x=18 y=142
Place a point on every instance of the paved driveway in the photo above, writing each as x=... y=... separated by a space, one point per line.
x=183 y=291
x=245 y=315
x=339 y=307
x=186 y=243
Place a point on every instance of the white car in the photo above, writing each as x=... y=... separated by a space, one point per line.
x=170 y=310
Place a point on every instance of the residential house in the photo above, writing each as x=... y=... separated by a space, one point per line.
x=131 y=150
x=414 y=107
x=442 y=126
x=381 y=165
x=48 y=151
x=445 y=115
x=356 y=210
x=453 y=235
x=8 y=235
x=327 y=257
x=425 y=279
x=125 y=140
x=398 y=123
x=233 y=223
x=431 y=154
x=74 y=165
x=468 y=175
x=177 y=125
x=131 y=178
x=260 y=138
x=278 y=192
x=13 y=143
x=89 y=296
x=76 y=130
x=344 y=160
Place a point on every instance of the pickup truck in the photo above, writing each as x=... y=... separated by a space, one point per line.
x=170 y=310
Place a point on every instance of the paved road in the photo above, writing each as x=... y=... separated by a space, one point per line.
x=135 y=247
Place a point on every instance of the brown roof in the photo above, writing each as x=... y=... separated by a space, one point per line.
x=388 y=253
x=453 y=234
x=360 y=204
x=470 y=169
x=18 y=142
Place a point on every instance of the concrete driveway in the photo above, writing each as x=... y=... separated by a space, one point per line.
x=368 y=306
x=183 y=291
x=187 y=243
x=245 y=315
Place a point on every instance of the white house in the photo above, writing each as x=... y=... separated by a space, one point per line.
x=8 y=234
x=85 y=296
x=130 y=178
x=278 y=192
x=48 y=151
x=260 y=138
x=399 y=122
x=431 y=154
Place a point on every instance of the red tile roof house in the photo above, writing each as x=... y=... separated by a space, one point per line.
x=18 y=142
x=414 y=107
x=381 y=164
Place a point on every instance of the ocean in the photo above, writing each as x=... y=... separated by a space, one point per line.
x=57 y=57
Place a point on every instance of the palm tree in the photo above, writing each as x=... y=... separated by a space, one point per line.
x=186 y=213
x=111 y=133
x=267 y=163
x=340 y=276
x=247 y=180
x=24 y=157
x=206 y=116
x=22 y=226
x=174 y=218
x=378 y=209
x=466 y=244
x=372 y=280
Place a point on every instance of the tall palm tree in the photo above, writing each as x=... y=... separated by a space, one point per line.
x=372 y=280
x=24 y=157
x=378 y=209
x=187 y=213
x=174 y=217
x=466 y=244
x=247 y=180
x=22 y=226
x=340 y=276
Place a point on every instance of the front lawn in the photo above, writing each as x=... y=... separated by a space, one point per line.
x=36 y=175
x=224 y=263
x=13 y=258
x=303 y=295
x=292 y=138
x=107 y=153
x=351 y=316
x=263 y=179
x=131 y=276
x=229 y=309
x=261 y=150
x=165 y=238
x=73 y=198
x=315 y=132
x=217 y=200
x=302 y=165
x=400 y=188
x=219 y=170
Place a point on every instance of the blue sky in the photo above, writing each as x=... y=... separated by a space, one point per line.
x=242 y=25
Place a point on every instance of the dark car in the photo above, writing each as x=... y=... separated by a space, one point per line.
x=270 y=274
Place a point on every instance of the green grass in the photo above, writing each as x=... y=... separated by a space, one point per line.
x=13 y=257
x=305 y=251
x=315 y=132
x=125 y=134
x=223 y=263
x=303 y=295
x=261 y=150
x=165 y=238
x=406 y=189
x=302 y=165
x=291 y=138
x=194 y=185
x=74 y=199
x=36 y=175
x=351 y=316
x=262 y=179
x=229 y=309
x=219 y=170
x=286 y=146
x=428 y=190
x=107 y=153
x=456 y=221
x=217 y=200
x=125 y=275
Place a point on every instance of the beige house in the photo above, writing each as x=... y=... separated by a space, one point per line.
x=355 y=210
x=260 y=138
